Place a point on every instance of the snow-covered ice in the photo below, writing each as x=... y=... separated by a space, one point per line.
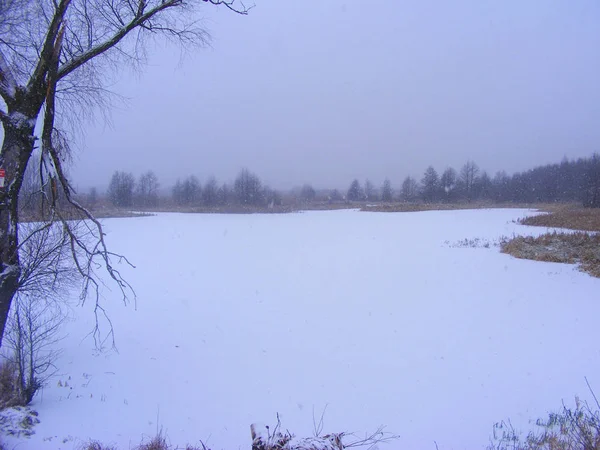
x=373 y=316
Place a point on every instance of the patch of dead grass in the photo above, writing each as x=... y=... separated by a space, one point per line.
x=158 y=442
x=567 y=216
x=416 y=207
x=228 y=209
x=104 y=213
x=95 y=445
x=572 y=248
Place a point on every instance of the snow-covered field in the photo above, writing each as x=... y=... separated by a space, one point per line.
x=376 y=317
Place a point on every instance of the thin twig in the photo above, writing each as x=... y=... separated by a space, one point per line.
x=592 y=391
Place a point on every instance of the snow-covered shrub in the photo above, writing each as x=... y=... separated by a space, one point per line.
x=37 y=311
x=263 y=438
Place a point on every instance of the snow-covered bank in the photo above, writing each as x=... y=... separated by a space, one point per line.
x=369 y=314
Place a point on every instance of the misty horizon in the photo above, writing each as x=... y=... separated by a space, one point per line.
x=339 y=91
x=166 y=189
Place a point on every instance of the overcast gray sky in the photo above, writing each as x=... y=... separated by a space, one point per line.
x=331 y=90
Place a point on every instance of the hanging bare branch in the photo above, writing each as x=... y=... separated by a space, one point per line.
x=231 y=6
x=56 y=57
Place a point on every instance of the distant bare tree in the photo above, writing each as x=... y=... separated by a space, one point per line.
x=210 y=192
x=370 y=191
x=431 y=185
x=501 y=187
x=591 y=184
x=271 y=197
x=147 y=190
x=121 y=189
x=92 y=199
x=308 y=193
x=224 y=194
x=410 y=189
x=335 y=196
x=355 y=192
x=248 y=188
x=387 y=193
x=448 y=184
x=483 y=186
x=55 y=56
x=188 y=192
x=468 y=179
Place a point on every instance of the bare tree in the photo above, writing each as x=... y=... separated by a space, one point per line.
x=355 y=192
x=34 y=324
x=45 y=254
x=224 y=194
x=187 y=192
x=147 y=189
x=308 y=193
x=120 y=189
x=448 y=184
x=370 y=192
x=54 y=56
x=335 y=196
x=271 y=197
x=591 y=183
x=468 y=179
x=247 y=188
x=33 y=330
x=387 y=193
x=410 y=189
x=92 y=198
x=483 y=186
x=431 y=185
x=210 y=192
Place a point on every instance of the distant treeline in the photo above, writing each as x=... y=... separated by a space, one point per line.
x=569 y=181
x=247 y=189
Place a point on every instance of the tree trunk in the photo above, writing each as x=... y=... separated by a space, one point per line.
x=16 y=149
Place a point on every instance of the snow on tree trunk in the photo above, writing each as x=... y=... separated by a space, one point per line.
x=16 y=149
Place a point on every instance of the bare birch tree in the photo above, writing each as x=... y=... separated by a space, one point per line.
x=55 y=57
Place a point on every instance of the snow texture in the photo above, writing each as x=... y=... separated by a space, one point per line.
x=372 y=315
x=20 y=120
x=18 y=421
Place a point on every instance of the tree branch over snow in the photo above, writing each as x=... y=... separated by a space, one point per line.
x=141 y=19
x=84 y=252
x=86 y=248
x=56 y=57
